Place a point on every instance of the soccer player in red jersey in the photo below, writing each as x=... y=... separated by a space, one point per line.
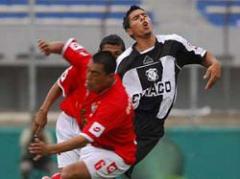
x=69 y=81
x=106 y=121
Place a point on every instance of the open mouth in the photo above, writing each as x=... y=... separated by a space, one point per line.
x=145 y=24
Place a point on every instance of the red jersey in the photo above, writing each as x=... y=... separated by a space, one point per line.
x=74 y=76
x=106 y=120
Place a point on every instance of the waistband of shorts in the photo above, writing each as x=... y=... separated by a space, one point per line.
x=67 y=115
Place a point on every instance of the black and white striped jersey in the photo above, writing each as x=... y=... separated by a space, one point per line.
x=150 y=76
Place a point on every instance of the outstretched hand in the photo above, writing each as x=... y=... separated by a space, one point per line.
x=44 y=47
x=212 y=74
x=38 y=148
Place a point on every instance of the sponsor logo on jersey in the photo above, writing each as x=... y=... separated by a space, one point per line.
x=157 y=89
x=152 y=74
x=96 y=129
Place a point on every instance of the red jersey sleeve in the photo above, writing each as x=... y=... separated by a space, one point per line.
x=67 y=80
x=75 y=54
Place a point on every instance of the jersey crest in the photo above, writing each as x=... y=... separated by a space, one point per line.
x=94 y=107
x=152 y=74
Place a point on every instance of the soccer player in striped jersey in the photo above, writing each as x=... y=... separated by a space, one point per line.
x=149 y=71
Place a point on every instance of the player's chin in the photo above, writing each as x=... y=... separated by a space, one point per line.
x=147 y=32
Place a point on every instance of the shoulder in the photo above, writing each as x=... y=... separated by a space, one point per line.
x=117 y=96
x=118 y=89
x=67 y=44
x=72 y=45
x=126 y=53
x=172 y=37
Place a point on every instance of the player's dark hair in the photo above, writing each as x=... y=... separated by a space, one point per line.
x=107 y=60
x=112 y=39
x=126 y=23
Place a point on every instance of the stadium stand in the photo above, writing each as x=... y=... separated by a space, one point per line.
x=220 y=12
x=64 y=11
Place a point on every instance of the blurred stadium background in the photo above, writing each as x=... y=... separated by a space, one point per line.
x=203 y=131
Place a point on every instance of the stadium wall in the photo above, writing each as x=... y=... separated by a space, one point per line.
x=186 y=153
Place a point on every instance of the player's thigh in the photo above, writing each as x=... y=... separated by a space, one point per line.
x=66 y=127
x=76 y=170
x=67 y=158
x=103 y=163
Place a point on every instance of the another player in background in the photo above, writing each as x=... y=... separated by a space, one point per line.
x=67 y=83
x=149 y=71
x=28 y=167
x=106 y=121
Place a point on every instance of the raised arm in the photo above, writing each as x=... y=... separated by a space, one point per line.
x=71 y=51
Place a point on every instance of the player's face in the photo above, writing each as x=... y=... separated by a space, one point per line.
x=140 y=24
x=115 y=50
x=97 y=79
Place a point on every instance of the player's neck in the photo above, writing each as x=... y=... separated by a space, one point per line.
x=145 y=43
x=106 y=88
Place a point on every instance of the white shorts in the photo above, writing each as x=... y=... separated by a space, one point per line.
x=66 y=128
x=102 y=163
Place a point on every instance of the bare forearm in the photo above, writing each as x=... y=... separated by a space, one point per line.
x=50 y=47
x=40 y=118
x=51 y=97
x=56 y=47
x=73 y=143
